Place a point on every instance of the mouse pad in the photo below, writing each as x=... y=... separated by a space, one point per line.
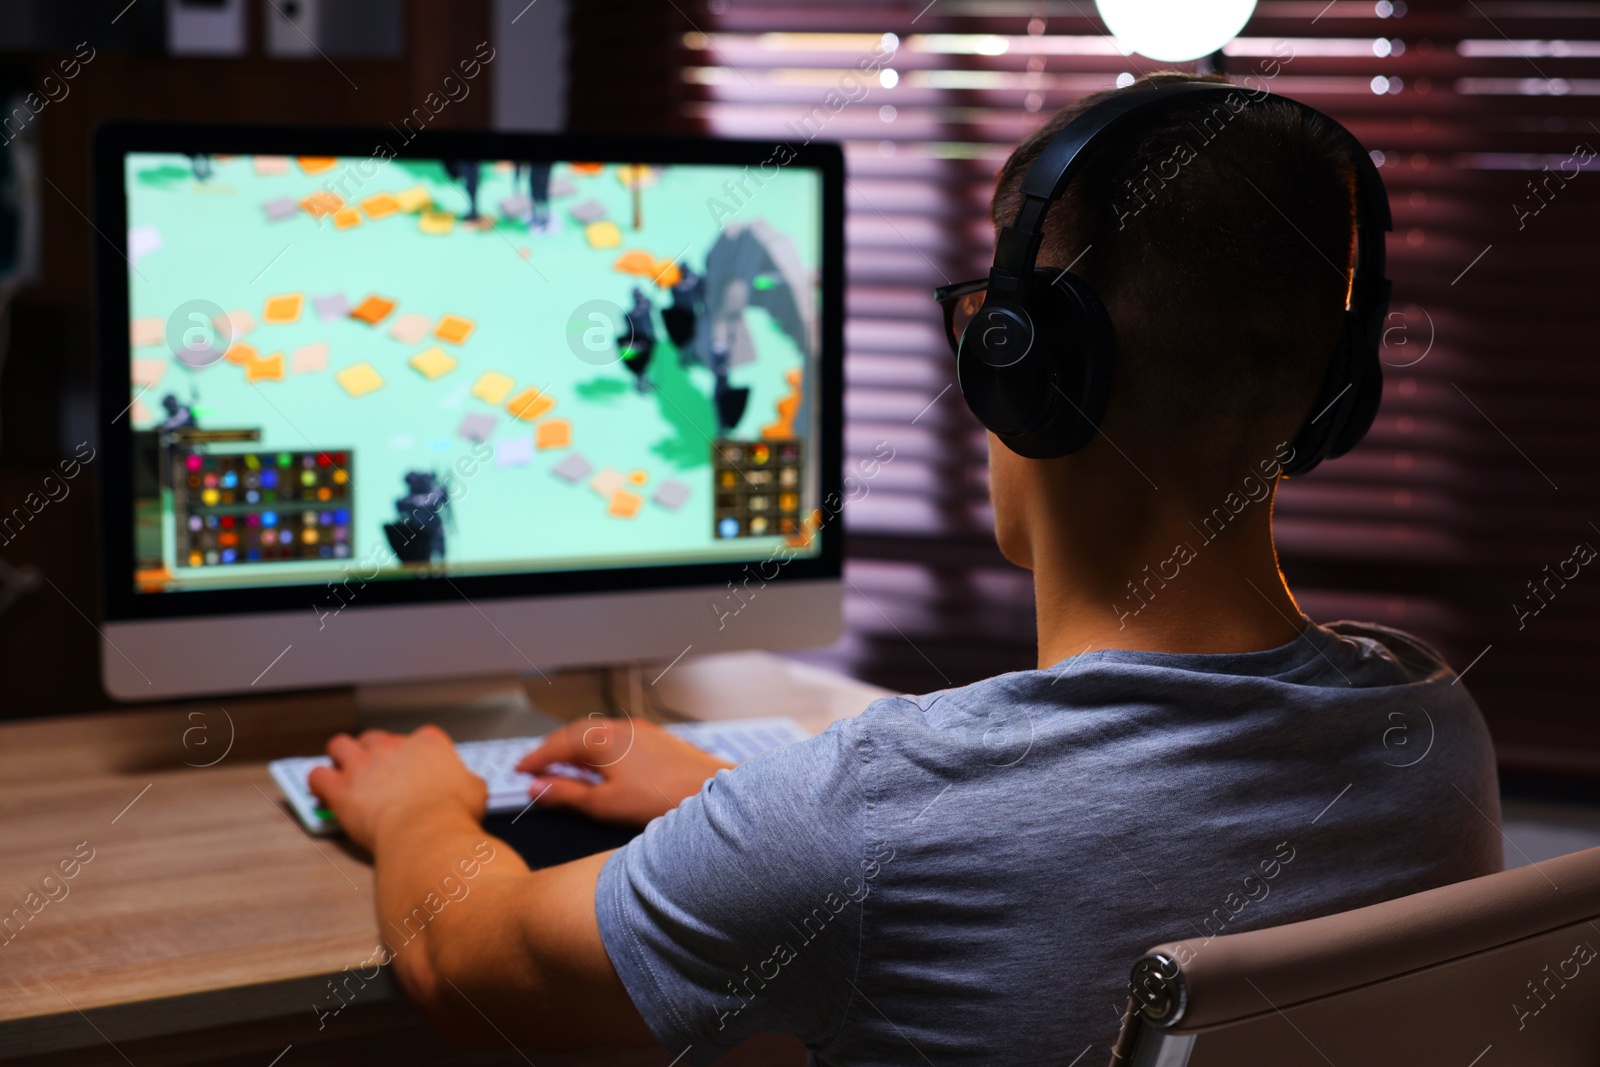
x=548 y=838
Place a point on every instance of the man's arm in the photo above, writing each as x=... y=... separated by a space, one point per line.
x=489 y=950
x=764 y=880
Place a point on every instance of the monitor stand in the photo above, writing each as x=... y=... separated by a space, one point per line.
x=475 y=708
x=469 y=709
x=727 y=685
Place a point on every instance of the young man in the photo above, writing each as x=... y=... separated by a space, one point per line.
x=967 y=876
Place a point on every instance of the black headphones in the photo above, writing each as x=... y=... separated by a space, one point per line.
x=1035 y=361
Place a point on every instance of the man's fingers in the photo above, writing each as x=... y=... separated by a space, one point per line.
x=558 y=792
x=594 y=743
x=345 y=749
x=557 y=748
x=602 y=743
x=328 y=784
x=433 y=733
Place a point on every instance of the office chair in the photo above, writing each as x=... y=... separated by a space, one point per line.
x=1499 y=970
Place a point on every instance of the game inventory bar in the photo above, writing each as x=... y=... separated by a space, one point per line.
x=261 y=507
x=757 y=488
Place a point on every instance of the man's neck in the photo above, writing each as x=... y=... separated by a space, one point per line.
x=1163 y=583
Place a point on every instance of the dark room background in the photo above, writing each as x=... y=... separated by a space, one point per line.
x=1459 y=519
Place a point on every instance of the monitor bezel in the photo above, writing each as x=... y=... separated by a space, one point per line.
x=113 y=362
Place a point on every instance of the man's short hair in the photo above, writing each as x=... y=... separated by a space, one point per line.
x=1221 y=239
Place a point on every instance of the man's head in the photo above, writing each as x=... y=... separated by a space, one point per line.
x=1220 y=238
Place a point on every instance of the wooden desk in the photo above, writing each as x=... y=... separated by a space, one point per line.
x=206 y=926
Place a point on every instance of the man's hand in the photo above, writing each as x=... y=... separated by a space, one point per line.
x=645 y=771
x=381 y=777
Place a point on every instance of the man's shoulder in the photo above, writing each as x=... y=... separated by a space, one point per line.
x=950 y=710
x=1415 y=657
x=962 y=731
x=1337 y=664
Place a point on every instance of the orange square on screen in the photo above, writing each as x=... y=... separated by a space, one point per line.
x=553 y=433
x=322 y=203
x=359 y=379
x=415 y=198
x=624 y=505
x=492 y=386
x=454 y=328
x=436 y=223
x=316 y=164
x=283 y=309
x=241 y=353
x=269 y=369
x=380 y=206
x=433 y=363
x=373 y=309
x=529 y=404
x=146 y=332
x=346 y=217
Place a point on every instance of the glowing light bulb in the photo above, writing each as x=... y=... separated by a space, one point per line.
x=1174 y=31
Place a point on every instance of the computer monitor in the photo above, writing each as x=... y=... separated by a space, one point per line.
x=380 y=405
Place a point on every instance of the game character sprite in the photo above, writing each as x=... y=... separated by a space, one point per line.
x=465 y=171
x=418 y=536
x=180 y=416
x=729 y=402
x=639 y=343
x=748 y=266
x=726 y=330
x=539 y=194
x=688 y=303
x=200 y=164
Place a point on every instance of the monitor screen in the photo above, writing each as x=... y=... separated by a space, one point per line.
x=348 y=368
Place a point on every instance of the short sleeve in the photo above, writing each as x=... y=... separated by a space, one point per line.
x=740 y=911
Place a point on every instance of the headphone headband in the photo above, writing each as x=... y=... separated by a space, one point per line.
x=1017 y=247
x=1009 y=381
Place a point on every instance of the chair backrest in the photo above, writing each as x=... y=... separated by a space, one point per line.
x=1498 y=970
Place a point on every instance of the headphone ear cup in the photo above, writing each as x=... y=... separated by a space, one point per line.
x=1365 y=396
x=1006 y=387
x=1087 y=340
x=1316 y=433
x=1037 y=371
x=1345 y=405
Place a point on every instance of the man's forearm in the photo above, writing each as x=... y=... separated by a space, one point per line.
x=485 y=947
x=503 y=953
x=429 y=867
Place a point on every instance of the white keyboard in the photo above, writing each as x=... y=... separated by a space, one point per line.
x=734 y=740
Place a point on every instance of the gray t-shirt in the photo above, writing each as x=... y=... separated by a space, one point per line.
x=967 y=877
